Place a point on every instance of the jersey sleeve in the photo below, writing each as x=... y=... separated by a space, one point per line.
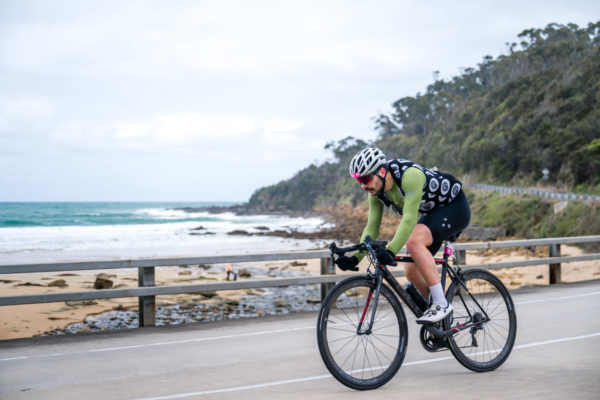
x=413 y=181
x=373 y=223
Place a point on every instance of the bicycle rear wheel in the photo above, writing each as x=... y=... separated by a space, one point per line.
x=487 y=341
x=361 y=361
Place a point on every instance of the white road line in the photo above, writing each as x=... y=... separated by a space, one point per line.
x=327 y=376
x=234 y=336
x=276 y=383
x=558 y=298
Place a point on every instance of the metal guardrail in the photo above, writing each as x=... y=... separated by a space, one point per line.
x=536 y=192
x=147 y=291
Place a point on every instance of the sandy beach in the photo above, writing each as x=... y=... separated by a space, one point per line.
x=37 y=319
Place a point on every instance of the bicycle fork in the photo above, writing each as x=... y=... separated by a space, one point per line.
x=364 y=316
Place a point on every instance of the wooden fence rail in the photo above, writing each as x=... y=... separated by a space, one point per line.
x=147 y=291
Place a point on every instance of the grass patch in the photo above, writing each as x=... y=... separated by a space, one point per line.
x=533 y=217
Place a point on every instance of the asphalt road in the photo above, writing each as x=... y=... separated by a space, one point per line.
x=556 y=356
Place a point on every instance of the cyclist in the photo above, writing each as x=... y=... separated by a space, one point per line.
x=409 y=189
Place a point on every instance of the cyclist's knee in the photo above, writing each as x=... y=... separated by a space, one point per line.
x=419 y=239
x=415 y=244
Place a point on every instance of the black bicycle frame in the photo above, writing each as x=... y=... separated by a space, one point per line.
x=381 y=273
x=400 y=291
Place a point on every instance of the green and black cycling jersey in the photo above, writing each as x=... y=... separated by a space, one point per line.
x=415 y=190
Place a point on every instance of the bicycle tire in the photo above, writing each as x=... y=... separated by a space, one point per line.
x=365 y=361
x=484 y=346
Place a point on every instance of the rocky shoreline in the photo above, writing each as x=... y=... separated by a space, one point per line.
x=254 y=303
x=208 y=307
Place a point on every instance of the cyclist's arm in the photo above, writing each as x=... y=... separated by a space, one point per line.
x=373 y=223
x=413 y=181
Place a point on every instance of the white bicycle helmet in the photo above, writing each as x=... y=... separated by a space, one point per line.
x=366 y=162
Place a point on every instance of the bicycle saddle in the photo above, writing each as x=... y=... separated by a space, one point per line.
x=454 y=237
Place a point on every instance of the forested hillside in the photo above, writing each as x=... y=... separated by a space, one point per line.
x=535 y=108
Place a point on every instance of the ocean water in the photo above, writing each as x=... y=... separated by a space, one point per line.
x=32 y=232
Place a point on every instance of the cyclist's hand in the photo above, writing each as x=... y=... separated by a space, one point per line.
x=386 y=257
x=347 y=263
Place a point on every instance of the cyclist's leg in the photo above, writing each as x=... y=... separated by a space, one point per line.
x=415 y=276
x=423 y=273
x=420 y=241
x=432 y=230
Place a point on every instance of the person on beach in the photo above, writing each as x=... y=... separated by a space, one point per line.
x=410 y=190
x=229 y=270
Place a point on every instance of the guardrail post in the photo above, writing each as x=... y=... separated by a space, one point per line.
x=554 y=251
x=461 y=257
x=327 y=268
x=146 y=304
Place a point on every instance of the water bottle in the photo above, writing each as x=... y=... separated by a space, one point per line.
x=416 y=296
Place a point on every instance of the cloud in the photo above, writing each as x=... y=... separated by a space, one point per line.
x=211 y=137
x=25 y=113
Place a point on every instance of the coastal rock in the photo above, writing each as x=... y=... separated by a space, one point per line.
x=244 y=273
x=280 y=303
x=103 y=282
x=187 y=306
x=298 y=264
x=75 y=303
x=239 y=232
x=58 y=283
x=233 y=301
x=282 y=233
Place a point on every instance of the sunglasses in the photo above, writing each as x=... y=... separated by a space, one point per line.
x=364 y=180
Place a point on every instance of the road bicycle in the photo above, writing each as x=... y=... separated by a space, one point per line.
x=362 y=329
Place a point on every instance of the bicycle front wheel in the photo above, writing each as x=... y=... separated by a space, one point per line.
x=485 y=320
x=359 y=357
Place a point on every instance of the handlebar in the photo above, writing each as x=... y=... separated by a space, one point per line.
x=369 y=244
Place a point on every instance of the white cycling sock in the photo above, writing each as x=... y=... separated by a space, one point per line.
x=437 y=295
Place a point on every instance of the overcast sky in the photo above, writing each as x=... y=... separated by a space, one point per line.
x=210 y=100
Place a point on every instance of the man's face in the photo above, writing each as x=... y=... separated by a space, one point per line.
x=373 y=186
